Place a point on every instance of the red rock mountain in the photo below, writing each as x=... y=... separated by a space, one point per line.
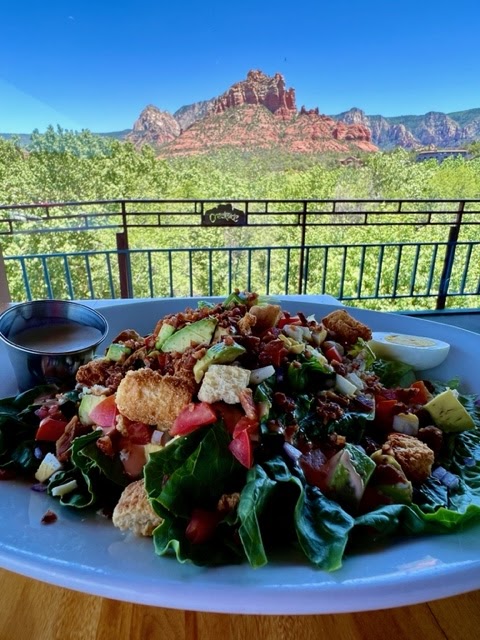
x=259 y=112
x=259 y=89
x=154 y=127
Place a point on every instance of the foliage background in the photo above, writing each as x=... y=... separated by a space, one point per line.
x=66 y=166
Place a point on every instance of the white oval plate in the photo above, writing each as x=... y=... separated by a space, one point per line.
x=86 y=553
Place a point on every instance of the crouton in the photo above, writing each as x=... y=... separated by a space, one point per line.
x=344 y=328
x=94 y=372
x=223 y=382
x=246 y=323
x=267 y=316
x=133 y=511
x=415 y=458
x=146 y=396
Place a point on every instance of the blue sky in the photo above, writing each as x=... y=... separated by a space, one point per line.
x=93 y=64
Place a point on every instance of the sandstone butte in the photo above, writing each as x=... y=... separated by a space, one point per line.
x=256 y=113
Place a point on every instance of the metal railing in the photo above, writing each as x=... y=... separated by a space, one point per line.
x=415 y=253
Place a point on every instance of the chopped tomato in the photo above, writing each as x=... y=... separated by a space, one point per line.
x=241 y=448
x=229 y=413
x=50 y=429
x=105 y=412
x=313 y=464
x=423 y=395
x=138 y=432
x=192 y=417
x=332 y=353
x=202 y=525
x=246 y=424
x=287 y=319
x=273 y=353
x=384 y=412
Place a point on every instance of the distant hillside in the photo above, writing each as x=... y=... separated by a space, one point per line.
x=433 y=129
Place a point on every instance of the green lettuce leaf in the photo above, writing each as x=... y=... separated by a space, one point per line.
x=100 y=478
x=194 y=471
x=276 y=508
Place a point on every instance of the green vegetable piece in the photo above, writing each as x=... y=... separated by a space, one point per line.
x=448 y=413
x=399 y=493
x=349 y=470
x=219 y=353
x=166 y=330
x=199 y=332
x=117 y=352
x=87 y=403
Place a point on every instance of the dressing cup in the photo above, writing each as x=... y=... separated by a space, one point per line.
x=48 y=340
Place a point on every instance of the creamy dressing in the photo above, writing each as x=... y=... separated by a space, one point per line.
x=57 y=338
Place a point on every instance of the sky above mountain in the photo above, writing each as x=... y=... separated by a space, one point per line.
x=92 y=64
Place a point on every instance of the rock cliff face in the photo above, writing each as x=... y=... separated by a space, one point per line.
x=187 y=115
x=154 y=127
x=259 y=89
x=259 y=112
x=411 y=132
x=254 y=126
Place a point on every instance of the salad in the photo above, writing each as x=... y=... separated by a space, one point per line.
x=236 y=432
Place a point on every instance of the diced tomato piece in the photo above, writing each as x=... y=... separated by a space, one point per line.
x=332 y=353
x=384 y=412
x=313 y=466
x=229 y=413
x=50 y=429
x=202 y=525
x=241 y=448
x=105 y=412
x=423 y=395
x=246 y=424
x=133 y=459
x=193 y=416
x=288 y=320
x=273 y=353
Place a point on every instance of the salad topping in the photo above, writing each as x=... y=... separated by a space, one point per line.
x=237 y=430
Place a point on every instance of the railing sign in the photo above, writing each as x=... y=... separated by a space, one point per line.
x=224 y=215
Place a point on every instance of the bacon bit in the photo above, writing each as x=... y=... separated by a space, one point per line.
x=49 y=517
x=73 y=429
x=248 y=405
x=105 y=444
x=284 y=402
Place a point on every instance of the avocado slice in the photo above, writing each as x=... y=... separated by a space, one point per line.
x=199 y=332
x=448 y=413
x=219 y=353
x=117 y=352
x=400 y=492
x=166 y=330
x=87 y=403
x=349 y=471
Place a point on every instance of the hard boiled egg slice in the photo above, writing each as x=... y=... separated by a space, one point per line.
x=417 y=351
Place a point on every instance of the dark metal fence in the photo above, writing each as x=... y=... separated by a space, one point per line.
x=416 y=253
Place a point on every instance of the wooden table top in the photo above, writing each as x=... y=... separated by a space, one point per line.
x=32 y=610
